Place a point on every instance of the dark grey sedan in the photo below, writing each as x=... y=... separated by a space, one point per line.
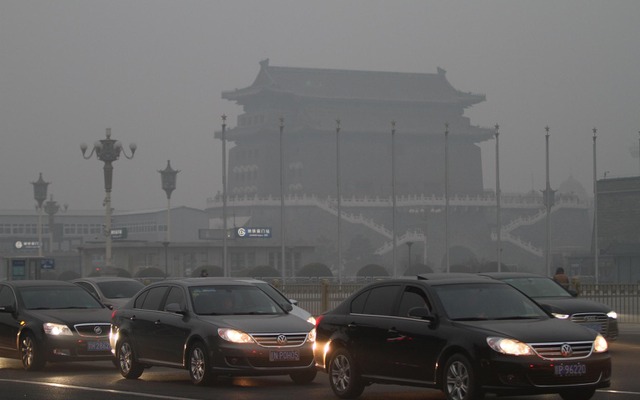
x=211 y=327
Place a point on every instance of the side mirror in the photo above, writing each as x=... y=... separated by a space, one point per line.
x=175 y=308
x=10 y=308
x=288 y=307
x=421 y=313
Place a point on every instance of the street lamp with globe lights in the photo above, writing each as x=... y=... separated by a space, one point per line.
x=169 y=177
x=51 y=207
x=108 y=150
x=40 y=195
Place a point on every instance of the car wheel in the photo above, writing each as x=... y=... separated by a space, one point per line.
x=344 y=378
x=578 y=394
x=304 y=377
x=30 y=353
x=199 y=367
x=126 y=361
x=460 y=379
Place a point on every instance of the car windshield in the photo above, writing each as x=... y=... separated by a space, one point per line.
x=120 y=289
x=57 y=297
x=232 y=300
x=538 y=287
x=474 y=302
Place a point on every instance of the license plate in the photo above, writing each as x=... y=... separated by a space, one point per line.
x=570 y=369
x=284 y=355
x=98 y=346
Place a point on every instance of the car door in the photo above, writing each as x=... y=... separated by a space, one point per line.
x=171 y=329
x=142 y=322
x=413 y=344
x=368 y=327
x=9 y=324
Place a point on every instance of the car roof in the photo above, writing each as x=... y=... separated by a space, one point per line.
x=504 y=275
x=104 y=279
x=449 y=275
x=444 y=279
x=38 y=283
x=200 y=281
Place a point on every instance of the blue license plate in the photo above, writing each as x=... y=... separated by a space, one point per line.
x=98 y=346
x=570 y=369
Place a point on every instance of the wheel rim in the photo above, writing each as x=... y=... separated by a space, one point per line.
x=457 y=381
x=126 y=357
x=341 y=373
x=27 y=351
x=197 y=364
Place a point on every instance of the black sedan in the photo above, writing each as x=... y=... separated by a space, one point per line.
x=212 y=327
x=43 y=321
x=112 y=291
x=464 y=336
x=562 y=303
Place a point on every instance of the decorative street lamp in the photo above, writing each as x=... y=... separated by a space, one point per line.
x=40 y=195
x=108 y=150
x=393 y=197
x=446 y=195
x=498 y=196
x=549 y=200
x=282 y=227
x=168 y=176
x=51 y=207
x=225 y=269
x=338 y=199
x=595 y=209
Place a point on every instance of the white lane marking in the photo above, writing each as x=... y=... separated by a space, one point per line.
x=90 y=389
x=618 y=392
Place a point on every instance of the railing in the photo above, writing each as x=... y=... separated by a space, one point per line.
x=324 y=295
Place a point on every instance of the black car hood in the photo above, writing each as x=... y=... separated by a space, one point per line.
x=534 y=330
x=260 y=323
x=571 y=305
x=73 y=316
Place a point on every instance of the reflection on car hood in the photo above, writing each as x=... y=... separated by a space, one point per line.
x=534 y=330
x=572 y=305
x=73 y=316
x=260 y=323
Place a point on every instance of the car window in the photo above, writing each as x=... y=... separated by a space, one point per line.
x=538 y=287
x=176 y=296
x=380 y=300
x=57 y=297
x=6 y=296
x=120 y=289
x=480 y=301
x=89 y=287
x=154 y=297
x=232 y=299
x=412 y=297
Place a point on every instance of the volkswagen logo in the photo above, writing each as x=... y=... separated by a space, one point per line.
x=566 y=350
x=97 y=330
x=282 y=339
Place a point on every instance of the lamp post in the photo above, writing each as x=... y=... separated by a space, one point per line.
x=40 y=195
x=498 y=196
x=51 y=207
x=409 y=251
x=393 y=197
x=282 y=241
x=595 y=209
x=338 y=199
x=107 y=150
x=168 y=177
x=548 y=203
x=446 y=195
x=223 y=137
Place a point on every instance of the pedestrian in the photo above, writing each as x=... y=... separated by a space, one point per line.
x=562 y=278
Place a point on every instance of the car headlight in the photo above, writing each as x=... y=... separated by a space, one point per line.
x=600 y=345
x=311 y=320
x=509 y=346
x=311 y=336
x=56 y=329
x=560 y=316
x=612 y=314
x=234 y=336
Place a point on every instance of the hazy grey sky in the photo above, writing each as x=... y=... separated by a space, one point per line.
x=153 y=71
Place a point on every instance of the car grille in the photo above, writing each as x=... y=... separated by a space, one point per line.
x=596 y=321
x=563 y=351
x=279 y=339
x=96 y=330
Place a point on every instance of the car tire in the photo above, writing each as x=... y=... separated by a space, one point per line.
x=126 y=360
x=199 y=365
x=578 y=394
x=30 y=353
x=460 y=381
x=344 y=377
x=304 y=377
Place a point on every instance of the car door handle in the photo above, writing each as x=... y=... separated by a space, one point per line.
x=352 y=325
x=157 y=322
x=132 y=318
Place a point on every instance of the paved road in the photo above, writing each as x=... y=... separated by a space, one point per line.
x=100 y=381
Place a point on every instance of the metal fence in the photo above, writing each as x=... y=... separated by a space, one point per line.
x=321 y=296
